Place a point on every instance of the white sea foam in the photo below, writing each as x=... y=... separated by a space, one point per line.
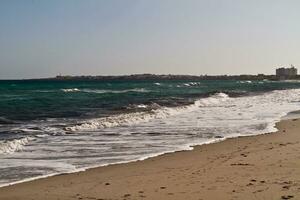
x=7 y=147
x=256 y=114
x=129 y=119
x=136 y=136
x=249 y=82
x=104 y=91
x=71 y=90
x=190 y=84
x=141 y=106
x=291 y=81
x=114 y=91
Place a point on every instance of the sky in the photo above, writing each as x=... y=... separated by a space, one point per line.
x=44 y=38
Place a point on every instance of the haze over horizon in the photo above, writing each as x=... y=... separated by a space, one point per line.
x=117 y=37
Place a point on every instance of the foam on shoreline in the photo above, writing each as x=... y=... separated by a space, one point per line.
x=208 y=120
x=11 y=146
x=187 y=147
x=129 y=119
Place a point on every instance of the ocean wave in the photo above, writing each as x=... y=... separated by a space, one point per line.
x=115 y=91
x=104 y=91
x=8 y=147
x=4 y=120
x=235 y=93
x=248 y=82
x=213 y=118
x=291 y=81
x=38 y=129
x=143 y=106
x=129 y=119
x=26 y=130
x=212 y=100
x=71 y=90
x=191 y=84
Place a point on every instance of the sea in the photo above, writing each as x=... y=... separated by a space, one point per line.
x=49 y=127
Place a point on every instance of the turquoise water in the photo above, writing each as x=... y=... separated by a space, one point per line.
x=52 y=127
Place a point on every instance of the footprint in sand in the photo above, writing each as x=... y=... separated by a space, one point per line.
x=126 y=195
x=286 y=187
x=287 y=197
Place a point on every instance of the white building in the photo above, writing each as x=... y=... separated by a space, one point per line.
x=286 y=73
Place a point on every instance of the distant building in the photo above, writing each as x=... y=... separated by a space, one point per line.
x=286 y=73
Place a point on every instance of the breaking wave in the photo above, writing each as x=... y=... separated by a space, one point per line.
x=249 y=82
x=71 y=90
x=129 y=119
x=190 y=84
x=7 y=147
x=104 y=91
x=115 y=91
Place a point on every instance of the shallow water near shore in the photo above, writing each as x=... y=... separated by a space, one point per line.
x=49 y=128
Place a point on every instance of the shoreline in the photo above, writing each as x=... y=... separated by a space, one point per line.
x=188 y=147
x=36 y=189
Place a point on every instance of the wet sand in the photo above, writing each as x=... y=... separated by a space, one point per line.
x=258 y=167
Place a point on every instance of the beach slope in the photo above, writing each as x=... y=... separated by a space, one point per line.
x=259 y=167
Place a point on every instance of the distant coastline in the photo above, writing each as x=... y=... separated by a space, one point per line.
x=137 y=77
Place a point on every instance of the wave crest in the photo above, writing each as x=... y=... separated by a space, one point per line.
x=115 y=91
x=71 y=90
x=190 y=84
x=104 y=91
x=130 y=119
x=8 y=147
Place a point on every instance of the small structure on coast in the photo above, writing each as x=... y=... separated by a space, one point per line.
x=286 y=73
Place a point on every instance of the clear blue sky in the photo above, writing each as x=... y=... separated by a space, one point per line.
x=42 y=38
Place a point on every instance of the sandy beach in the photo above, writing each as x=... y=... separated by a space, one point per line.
x=257 y=167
